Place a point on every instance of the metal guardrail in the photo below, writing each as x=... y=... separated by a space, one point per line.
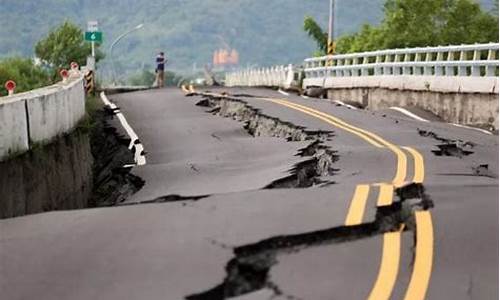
x=464 y=60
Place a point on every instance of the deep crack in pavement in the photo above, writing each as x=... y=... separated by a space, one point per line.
x=303 y=174
x=249 y=270
x=449 y=147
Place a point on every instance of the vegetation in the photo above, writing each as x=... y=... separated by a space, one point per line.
x=144 y=78
x=315 y=32
x=63 y=45
x=147 y=78
x=263 y=32
x=415 y=23
x=24 y=72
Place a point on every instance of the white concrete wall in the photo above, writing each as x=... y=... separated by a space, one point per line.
x=40 y=115
x=13 y=128
x=442 y=84
x=51 y=114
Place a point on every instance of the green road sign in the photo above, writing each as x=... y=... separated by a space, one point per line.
x=93 y=36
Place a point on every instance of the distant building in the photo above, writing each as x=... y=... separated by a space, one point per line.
x=225 y=58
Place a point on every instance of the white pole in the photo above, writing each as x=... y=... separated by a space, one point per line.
x=330 y=21
x=330 y=39
x=114 y=43
x=93 y=49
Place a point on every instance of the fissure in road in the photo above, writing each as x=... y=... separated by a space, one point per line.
x=249 y=270
x=424 y=251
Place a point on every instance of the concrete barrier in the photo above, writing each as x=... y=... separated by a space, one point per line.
x=476 y=109
x=13 y=128
x=442 y=84
x=40 y=115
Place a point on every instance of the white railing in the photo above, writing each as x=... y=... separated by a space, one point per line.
x=278 y=76
x=465 y=60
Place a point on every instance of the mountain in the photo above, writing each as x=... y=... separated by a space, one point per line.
x=264 y=32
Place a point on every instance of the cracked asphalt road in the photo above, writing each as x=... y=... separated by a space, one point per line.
x=179 y=249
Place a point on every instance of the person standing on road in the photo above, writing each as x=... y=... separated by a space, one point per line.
x=160 y=69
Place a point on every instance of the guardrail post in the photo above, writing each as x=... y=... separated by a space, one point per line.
x=387 y=69
x=438 y=69
x=428 y=68
x=396 y=70
x=490 y=70
x=407 y=70
x=450 y=70
x=377 y=69
x=476 y=70
x=462 y=70
x=417 y=70
x=364 y=70
x=339 y=72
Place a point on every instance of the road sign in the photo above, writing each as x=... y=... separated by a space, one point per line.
x=93 y=36
x=92 y=26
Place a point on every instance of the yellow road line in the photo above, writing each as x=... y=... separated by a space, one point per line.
x=399 y=177
x=326 y=119
x=392 y=241
x=389 y=267
x=419 y=175
x=385 y=197
x=358 y=204
x=422 y=267
x=391 y=250
x=389 y=264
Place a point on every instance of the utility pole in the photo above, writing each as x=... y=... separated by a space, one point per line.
x=330 y=47
x=331 y=42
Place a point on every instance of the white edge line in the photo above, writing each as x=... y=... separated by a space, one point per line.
x=305 y=97
x=346 y=105
x=409 y=114
x=473 y=128
x=139 y=159
x=283 y=92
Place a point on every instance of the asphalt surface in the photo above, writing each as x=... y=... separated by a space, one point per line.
x=178 y=249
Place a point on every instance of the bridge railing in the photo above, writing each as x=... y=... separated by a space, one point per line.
x=278 y=76
x=464 y=60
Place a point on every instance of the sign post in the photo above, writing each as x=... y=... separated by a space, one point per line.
x=93 y=35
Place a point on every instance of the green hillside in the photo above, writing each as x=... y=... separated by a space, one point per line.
x=264 y=32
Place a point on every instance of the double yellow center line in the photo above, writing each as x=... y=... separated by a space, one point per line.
x=389 y=266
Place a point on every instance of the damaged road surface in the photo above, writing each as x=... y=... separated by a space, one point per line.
x=250 y=194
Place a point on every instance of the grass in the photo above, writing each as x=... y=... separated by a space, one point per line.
x=88 y=122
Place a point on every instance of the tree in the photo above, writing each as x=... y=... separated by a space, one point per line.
x=64 y=45
x=419 y=23
x=316 y=33
x=24 y=72
x=467 y=23
x=145 y=78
